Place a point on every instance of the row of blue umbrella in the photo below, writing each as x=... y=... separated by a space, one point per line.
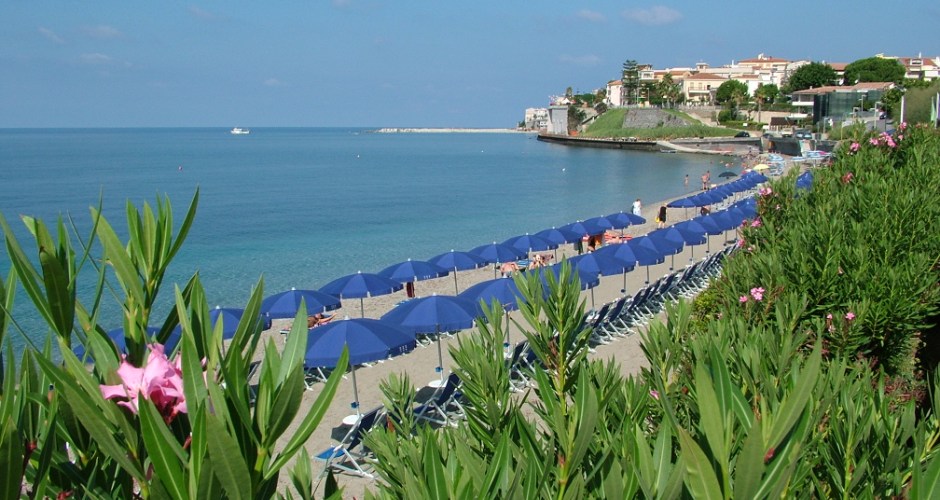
x=720 y=193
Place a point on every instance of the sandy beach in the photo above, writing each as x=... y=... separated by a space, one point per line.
x=420 y=364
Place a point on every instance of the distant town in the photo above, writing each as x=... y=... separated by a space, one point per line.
x=764 y=93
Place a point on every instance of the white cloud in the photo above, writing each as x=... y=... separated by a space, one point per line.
x=199 y=13
x=95 y=58
x=50 y=35
x=653 y=16
x=585 y=60
x=590 y=15
x=102 y=32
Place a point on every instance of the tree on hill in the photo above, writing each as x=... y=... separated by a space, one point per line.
x=874 y=69
x=765 y=94
x=631 y=81
x=669 y=89
x=811 y=75
x=731 y=94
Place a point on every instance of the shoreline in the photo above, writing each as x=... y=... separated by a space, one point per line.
x=445 y=130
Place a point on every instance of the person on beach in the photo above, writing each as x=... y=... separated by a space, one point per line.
x=637 y=207
x=686 y=181
x=706 y=178
x=661 y=219
x=507 y=268
x=319 y=319
x=536 y=262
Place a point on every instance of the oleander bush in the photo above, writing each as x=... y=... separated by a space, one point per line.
x=795 y=375
x=151 y=423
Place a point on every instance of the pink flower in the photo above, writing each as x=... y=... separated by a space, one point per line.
x=847 y=178
x=757 y=293
x=829 y=316
x=849 y=316
x=157 y=380
x=742 y=299
x=903 y=126
x=756 y=223
x=873 y=141
x=655 y=395
x=855 y=147
x=740 y=242
x=900 y=137
x=765 y=191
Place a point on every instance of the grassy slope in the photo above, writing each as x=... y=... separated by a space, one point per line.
x=610 y=124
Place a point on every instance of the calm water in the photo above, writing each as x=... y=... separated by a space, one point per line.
x=304 y=206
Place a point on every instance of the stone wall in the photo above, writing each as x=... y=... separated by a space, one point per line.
x=651 y=118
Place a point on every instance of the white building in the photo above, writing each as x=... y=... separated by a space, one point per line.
x=536 y=119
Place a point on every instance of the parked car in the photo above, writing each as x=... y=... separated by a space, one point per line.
x=742 y=134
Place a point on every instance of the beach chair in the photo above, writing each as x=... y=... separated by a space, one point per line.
x=597 y=335
x=314 y=375
x=444 y=407
x=612 y=326
x=350 y=454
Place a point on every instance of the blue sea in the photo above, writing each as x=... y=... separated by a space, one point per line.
x=302 y=207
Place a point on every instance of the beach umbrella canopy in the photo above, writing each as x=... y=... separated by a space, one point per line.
x=230 y=317
x=599 y=264
x=601 y=222
x=727 y=175
x=286 y=304
x=757 y=177
x=503 y=290
x=559 y=235
x=367 y=340
x=361 y=285
x=623 y=253
x=433 y=315
x=530 y=243
x=457 y=261
x=760 y=166
x=691 y=231
x=621 y=220
x=646 y=252
x=587 y=228
x=804 y=181
x=683 y=202
x=499 y=253
x=711 y=197
x=710 y=224
x=586 y=279
x=413 y=270
x=667 y=241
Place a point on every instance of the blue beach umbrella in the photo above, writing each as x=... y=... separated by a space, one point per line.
x=623 y=253
x=600 y=222
x=498 y=253
x=361 y=285
x=621 y=220
x=647 y=254
x=587 y=279
x=286 y=304
x=586 y=228
x=530 y=243
x=804 y=180
x=367 y=340
x=587 y=271
x=433 y=315
x=230 y=317
x=598 y=264
x=413 y=270
x=692 y=234
x=559 y=235
x=669 y=242
x=682 y=203
x=457 y=261
x=503 y=290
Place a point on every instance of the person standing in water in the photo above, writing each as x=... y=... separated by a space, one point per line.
x=661 y=219
x=637 y=207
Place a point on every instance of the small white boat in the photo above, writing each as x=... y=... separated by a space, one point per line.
x=240 y=131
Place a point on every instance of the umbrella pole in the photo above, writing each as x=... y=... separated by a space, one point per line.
x=624 y=291
x=672 y=262
x=440 y=354
x=355 y=392
x=692 y=257
x=708 y=244
x=592 y=299
x=647 y=275
x=456 y=290
x=506 y=345
x=362 y=308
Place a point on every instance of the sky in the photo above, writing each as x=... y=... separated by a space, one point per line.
x=373 y=63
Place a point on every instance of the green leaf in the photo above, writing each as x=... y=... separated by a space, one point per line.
x=926 y=484
x=749 y=468
x=797 y=399
x=227 y=461
x=700 y=478
x=711 y=419
x=11 y=460
x=313 y=418
x=166 y=455
x=116 y=255
x=434 y=470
